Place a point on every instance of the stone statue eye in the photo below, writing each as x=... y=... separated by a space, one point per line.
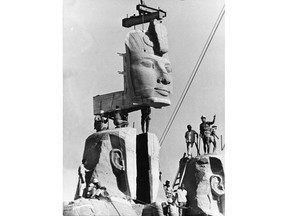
x=168 y=69
x=148 y=64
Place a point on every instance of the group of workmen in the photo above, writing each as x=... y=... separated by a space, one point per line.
x=91 y=189
x=174 y=206
x=207 y=133
x=120 y=119
x=176 y=201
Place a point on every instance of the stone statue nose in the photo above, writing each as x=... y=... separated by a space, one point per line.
x=164 y=80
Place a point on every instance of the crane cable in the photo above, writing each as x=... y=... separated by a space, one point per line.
x=191 y=78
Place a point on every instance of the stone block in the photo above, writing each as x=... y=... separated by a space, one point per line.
x=148 y=149
x=102 y=149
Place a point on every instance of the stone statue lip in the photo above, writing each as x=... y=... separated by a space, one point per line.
x=162 y=92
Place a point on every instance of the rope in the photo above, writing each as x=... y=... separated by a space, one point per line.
x=192 y=76
x=139 y=201
x=114 y=206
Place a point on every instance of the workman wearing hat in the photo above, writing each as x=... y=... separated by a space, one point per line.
x=205 y=132
x=168 y=190
x=100 y=122
x=118 y=119
x=92 y=188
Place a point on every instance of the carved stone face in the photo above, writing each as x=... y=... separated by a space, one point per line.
x=204 y=182
x=149 y=74
x=151 y=77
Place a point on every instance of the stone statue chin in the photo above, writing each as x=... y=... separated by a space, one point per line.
x=204 y=182
x=149 y=69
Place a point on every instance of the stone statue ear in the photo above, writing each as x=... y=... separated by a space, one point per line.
x=117 y=160
x=217 y=185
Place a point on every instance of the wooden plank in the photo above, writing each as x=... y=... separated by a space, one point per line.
x=108 y=103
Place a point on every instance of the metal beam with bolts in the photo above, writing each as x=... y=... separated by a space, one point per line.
x=146 y=14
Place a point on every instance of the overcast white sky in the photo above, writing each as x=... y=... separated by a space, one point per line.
x=93 y=36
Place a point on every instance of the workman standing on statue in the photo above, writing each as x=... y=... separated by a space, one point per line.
x=92 y=188
x=145 y=118
x=82 y=180
x=181 y=198
x=100 y=122
x=118 y=118
x=167 y=186
x=168 y=190
x=205 y=132
x=172 y=208
x=190 y=136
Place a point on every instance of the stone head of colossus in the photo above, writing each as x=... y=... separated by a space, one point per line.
x=148 y=67
x=147 y=73
x=204 y=181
